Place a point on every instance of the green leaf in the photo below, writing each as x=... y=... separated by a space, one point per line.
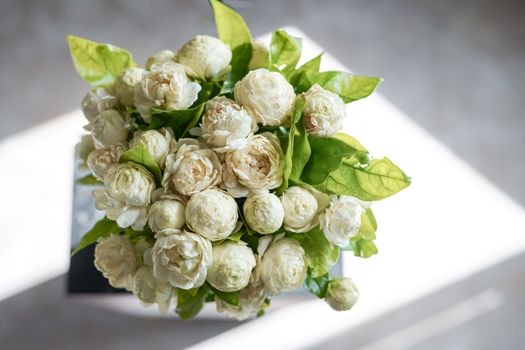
x=135 y=236
x=362 y=244
x=231 y=298
x=233 y=31
x=327 y=155
x=235 y=237
x=303 y=77
x=251 y=240
x=379 y=180
x=140 y=155
x=301 y=151
x=266 y=305
x=285 y=51
x=89 y=180
x=209 y=89
x=190 y=303
x=348 y=86
x=288 y=144
x=317 y=285
x=321 y=255
x=368 y=227
x=363 y=248
x=98 y=64
x=102 y=229
x=180 y=121
x=362 y=153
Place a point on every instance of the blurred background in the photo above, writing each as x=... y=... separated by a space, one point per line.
x=456 y=68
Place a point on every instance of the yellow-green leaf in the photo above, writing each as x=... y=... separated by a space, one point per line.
x=233 y=31
x=102 y=229
x=348 y=86
x=285 y=51
x=98 y=64
x=140 y=155
x=379 y=180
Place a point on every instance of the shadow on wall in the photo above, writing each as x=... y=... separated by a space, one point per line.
x=45 y=318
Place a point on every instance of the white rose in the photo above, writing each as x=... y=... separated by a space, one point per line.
x=150 y=291
x=96 y=101
x=260 y=56
x=159 y=58
x=166 y=213
x=125 y=83
x=108 y=128
x=226 y=125
x=257 y=166
x=341 y=294
x=192 y=169
x=212 y=213
x=100 y=159
x=302 y=208
x=323 y=112
x=167 y=87
x=115 y=258
x=341 y=220
x=205 y=57
x=159 y=143
x=83 y=149
x=283 y=266
x=231 y=266
x=181 y=258
x=266 y=95
x=263 y=212
x=126 y=194
x=251 y=300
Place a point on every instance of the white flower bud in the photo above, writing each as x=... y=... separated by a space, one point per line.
x=266 y=95
x=126 y=194
x=205 y=57
x=257 y=166
x=96 y=101
x=125 y=85
x=115 y=258
x=129 y=183
x=108 y=128
x=302 y=208
x=263 y=212
x=212 y=214
x=181 y=258
x=159 y=58
x=341 y=294
x=231 y=267
x=83 y=149
x=99 y=160
x=260 y=56
x=251 y=300
x=283 y=266
x=192 y=169
x=167 y=213
x=159 y=143
x=226 y=125
x=341 y=220
x=323 y=112
x=144 y=286
x=150 y=291
x=166 y=87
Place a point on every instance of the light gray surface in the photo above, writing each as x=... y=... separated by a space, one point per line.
x=456 y=67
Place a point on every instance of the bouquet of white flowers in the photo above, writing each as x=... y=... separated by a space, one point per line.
x=223 y=173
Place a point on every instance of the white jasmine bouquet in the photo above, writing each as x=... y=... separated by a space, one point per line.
x=223 y=173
